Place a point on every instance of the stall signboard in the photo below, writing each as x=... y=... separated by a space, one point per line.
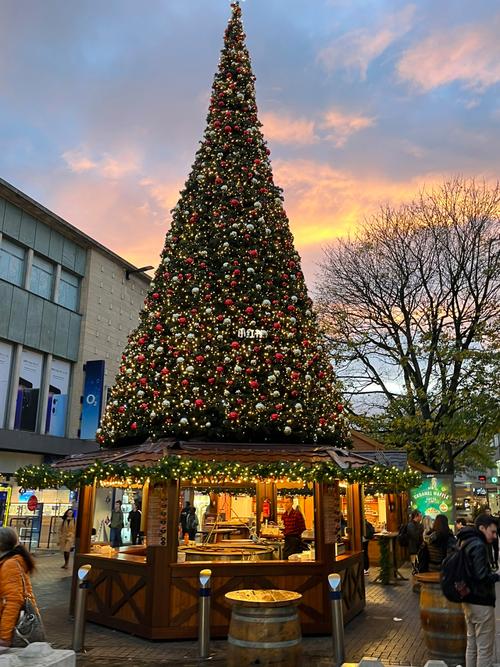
x=434 y=496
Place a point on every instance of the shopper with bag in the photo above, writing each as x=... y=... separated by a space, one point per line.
x=67 y=532
x=20 y=622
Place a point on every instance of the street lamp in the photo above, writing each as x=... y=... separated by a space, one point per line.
x=129 y=272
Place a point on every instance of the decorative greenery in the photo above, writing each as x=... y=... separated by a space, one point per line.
x=212 y=473
x=228 y=345
x=385 y=560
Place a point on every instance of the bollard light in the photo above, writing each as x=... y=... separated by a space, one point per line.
x=80 y=603
x=204 y=615
x=335 y=585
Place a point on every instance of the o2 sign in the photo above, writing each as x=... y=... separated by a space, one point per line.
x=92 y=399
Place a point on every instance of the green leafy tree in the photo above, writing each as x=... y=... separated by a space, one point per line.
x=411 y=308
x=228 y=345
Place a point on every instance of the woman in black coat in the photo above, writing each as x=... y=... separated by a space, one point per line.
x=440 y=542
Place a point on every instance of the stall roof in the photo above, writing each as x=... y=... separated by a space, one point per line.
x=149 y=453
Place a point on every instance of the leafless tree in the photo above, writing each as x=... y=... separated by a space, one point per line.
x=411 y=309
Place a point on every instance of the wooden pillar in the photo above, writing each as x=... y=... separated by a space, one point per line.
x=327 y=513
x=355 y=519
x=85 y=518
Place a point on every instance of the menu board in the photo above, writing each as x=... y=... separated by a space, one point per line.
x=331 y=512
x=157 y=517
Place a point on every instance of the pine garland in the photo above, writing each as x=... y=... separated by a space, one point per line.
x=213 y=473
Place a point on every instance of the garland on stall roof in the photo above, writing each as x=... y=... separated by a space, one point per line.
x=216 y=473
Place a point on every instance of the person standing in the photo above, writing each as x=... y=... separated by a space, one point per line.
x=192 y=523
x=415 y=532
x=116 y=525
x=134 y=519
x=67 y=532
x=294 y=526
x=479 y=608
x=183 y=518
x=440 y=543
x=16 y=566
x=368 y=535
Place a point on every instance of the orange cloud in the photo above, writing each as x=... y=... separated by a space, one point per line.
x=341 y=125
x=287 y=130
x=107 y=166
x=470 y=55
x=357 y=49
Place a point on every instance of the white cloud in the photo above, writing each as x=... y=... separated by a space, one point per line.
x=357 y=49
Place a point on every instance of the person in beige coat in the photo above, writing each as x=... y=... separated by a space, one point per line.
x=67 y=536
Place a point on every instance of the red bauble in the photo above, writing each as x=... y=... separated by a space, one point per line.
x=182 y=320
x=200 y=358
x=211 y=380
x=233 y=415
x=164 y=371
x=235 y=345
x=294 y=375
x=249 y=310
x=156 y=295
x=275 y=416
x=228 y=128
x=121 y=409
x=234 y=202
x=158 y=327
x=340 y=407
x=140 y=358
x=228 y=302
x=199 y=403
x=276 y=325
x=219 y=369
x=143 y=381
x=253 y=253
x=133 y=426
x=278 y=356
x=185 y=382
x=254 y=384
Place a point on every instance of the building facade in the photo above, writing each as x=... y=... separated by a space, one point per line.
x=67 y=305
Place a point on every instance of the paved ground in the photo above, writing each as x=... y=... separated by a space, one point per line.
x=388 y=629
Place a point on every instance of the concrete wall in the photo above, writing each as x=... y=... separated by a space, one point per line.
x=111 y=312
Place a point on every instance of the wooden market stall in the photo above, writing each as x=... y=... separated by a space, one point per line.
x=389 y=509
x=145 y=591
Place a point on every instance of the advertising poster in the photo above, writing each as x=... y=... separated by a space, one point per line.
x=57 y=405
x=5 y=364
x=92 y=399
x=28 y=391
x=434 y=496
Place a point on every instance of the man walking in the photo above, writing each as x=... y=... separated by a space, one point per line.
x=294 y=526
x=480 y=606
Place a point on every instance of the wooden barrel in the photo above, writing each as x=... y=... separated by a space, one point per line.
x=264 y=628
x=442 y=621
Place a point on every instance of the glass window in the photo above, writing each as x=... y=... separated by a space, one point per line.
x=68 y=290
x=41 y=280
x=11 y=262
x=5 y=364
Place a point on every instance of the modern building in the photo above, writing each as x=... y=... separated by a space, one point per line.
x=67 y=305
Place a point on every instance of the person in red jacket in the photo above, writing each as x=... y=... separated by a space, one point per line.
x=16 y=565
x=294 y=526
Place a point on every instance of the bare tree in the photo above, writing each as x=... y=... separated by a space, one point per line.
x=411 y=309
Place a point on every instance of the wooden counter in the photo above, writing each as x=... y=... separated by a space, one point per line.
x=151 y=598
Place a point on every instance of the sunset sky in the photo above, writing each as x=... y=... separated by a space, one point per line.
x=363 y=102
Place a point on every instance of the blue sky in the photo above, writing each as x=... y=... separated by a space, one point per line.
x=363 y=102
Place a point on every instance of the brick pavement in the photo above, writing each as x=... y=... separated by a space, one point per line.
x=374 y=633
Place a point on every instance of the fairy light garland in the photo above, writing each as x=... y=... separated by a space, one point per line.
x=216 y=474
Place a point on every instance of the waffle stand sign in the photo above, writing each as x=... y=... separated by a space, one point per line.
x=434 y=496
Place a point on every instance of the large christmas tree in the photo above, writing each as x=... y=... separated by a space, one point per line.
x=228 y=346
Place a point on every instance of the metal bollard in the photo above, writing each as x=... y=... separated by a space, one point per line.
x=80 y=603
x=334 y=583
x=204 y=618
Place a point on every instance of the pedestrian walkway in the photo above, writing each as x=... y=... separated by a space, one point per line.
x=389 y=629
